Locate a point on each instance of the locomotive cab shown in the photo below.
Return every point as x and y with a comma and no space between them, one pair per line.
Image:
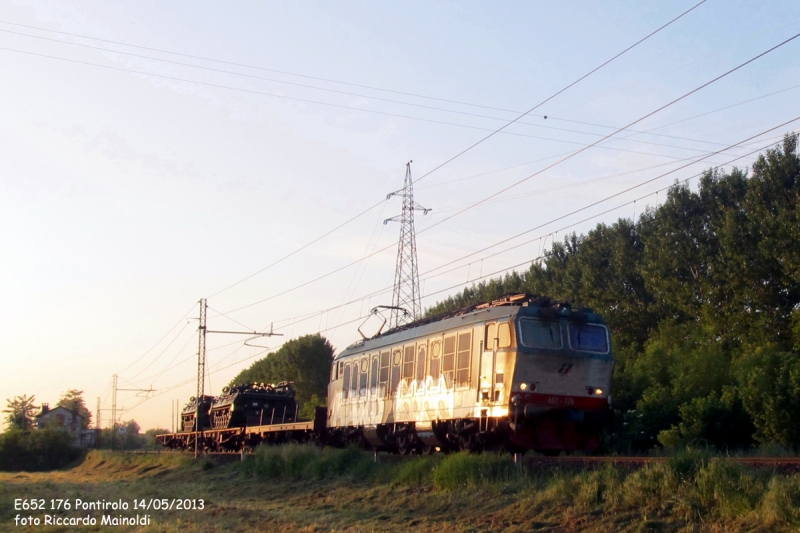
560,392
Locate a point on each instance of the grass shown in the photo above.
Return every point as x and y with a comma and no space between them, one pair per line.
303,488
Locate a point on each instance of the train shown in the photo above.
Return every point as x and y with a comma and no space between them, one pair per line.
518,373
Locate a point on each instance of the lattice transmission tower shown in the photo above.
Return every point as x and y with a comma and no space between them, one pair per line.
406,306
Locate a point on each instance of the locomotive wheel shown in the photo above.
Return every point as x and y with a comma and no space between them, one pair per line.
405,444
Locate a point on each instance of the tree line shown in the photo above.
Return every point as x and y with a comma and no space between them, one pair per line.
26,445
702,297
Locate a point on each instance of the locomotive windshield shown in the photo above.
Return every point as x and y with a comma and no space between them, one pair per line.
588,338
540,333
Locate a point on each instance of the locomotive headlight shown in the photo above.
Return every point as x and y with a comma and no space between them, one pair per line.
598,392
523,386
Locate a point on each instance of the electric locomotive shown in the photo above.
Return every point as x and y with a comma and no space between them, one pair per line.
518,373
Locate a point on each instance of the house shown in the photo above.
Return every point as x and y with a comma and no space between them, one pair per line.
68,420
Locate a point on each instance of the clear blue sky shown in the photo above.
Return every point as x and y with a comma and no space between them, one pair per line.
128,191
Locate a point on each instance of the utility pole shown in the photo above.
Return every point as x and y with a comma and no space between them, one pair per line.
114,407
201,370
201,365
406,296
114,412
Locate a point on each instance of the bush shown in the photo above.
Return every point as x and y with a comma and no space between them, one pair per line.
46,449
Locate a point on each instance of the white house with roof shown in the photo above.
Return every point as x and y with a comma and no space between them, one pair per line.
68,420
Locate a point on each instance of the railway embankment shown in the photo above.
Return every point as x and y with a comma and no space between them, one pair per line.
302,488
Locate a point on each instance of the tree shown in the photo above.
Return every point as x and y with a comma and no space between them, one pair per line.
769,383
73,400
150,438
20,412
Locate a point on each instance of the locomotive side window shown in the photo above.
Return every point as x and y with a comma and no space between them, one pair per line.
588,338
433,369
354,379
397,357
362,377
345,381
383,380
491,335
408,364
448,360
373,376
462,361
504,335
540,333
421,363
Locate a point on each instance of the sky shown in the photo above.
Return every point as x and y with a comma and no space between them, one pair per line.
155,153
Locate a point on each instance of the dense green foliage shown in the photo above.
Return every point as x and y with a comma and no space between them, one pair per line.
73,400
306,361
20,412
130,438
702,295
36,450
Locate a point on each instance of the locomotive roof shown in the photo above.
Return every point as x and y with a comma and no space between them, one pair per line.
506,306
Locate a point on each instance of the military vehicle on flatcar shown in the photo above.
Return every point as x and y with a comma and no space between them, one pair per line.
254,404
197,411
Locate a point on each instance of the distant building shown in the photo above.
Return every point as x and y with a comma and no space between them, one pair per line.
67,420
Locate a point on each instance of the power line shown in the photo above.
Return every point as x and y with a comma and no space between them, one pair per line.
287,256
685,95
328,104
264,69
162,351
308,316
159,341
559,92
496,272
359,95
571,155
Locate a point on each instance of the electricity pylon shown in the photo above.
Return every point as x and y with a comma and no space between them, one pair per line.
406,306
